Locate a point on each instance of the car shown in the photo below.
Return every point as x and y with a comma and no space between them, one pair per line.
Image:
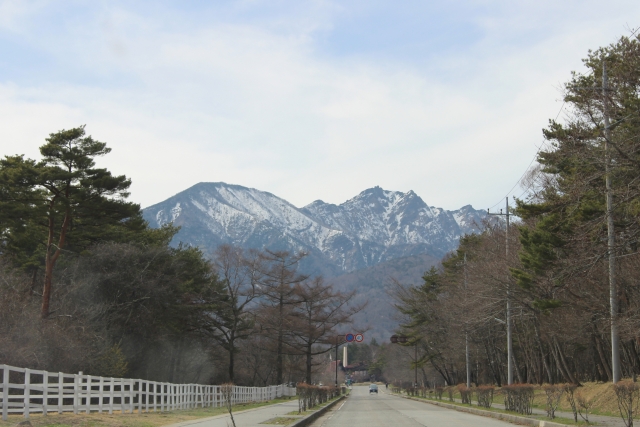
373,388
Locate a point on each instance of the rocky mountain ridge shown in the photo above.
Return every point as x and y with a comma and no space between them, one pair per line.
373,227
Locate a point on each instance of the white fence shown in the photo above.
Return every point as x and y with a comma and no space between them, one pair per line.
27,391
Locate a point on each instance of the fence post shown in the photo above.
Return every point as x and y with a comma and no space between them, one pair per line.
112,384
45,393
172,396
100,395
88,394
5,392
75,392
60,391
27,392
132,404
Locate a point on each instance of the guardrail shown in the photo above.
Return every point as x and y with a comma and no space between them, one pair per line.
28,391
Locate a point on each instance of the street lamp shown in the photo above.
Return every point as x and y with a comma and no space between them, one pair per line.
401,339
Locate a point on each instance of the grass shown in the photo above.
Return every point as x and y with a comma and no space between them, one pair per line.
559,420
150,419
280,421
602,395
310,411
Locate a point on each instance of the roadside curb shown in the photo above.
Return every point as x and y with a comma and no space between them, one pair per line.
312,417
516,419
226,414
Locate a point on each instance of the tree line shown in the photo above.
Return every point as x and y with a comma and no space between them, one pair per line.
88,286
571,273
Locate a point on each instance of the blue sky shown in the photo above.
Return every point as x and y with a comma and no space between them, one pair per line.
305,99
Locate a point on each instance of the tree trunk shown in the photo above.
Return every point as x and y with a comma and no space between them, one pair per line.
34,278
603,358
231,361
46,291
309,360
515,366
564,364
50,260
279,361
542,355
232,353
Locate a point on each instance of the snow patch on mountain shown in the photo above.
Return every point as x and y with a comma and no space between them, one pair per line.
374,226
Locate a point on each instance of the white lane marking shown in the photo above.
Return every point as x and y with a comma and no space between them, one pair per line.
331,416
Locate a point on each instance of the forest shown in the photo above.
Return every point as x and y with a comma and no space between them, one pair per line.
86,285
567,263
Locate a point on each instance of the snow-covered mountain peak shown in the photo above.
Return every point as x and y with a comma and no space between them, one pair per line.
375,225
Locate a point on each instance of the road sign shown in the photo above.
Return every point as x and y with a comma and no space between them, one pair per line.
349,337
359,337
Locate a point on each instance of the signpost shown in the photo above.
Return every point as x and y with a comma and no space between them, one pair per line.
347,338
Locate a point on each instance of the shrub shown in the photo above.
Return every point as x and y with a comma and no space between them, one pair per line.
439,391
570,389
465,394
628,394
310,396
518,398
484,395
583,405
553,393
450,391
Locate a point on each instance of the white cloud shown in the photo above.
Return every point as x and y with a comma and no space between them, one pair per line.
253,105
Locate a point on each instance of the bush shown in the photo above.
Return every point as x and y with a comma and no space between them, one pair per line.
583,406
628,394
465,394
484,395
553,393
570,389
450,392
439,391
518,398
310,396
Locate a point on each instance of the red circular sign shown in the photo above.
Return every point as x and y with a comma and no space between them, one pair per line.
359,337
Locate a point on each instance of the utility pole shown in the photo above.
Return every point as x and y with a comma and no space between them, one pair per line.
466,331
509,340
613,291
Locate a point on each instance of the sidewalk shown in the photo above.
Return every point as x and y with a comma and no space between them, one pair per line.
249,418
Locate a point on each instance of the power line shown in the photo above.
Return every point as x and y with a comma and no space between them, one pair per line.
530,163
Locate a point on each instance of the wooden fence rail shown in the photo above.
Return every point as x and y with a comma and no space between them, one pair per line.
28,391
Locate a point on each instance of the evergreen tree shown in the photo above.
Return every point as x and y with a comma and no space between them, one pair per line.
63,203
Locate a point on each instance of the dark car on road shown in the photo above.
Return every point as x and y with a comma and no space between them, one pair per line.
373,388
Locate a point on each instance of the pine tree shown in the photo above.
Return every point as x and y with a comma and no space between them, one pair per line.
62,203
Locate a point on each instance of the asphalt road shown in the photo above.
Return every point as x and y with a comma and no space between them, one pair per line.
386,410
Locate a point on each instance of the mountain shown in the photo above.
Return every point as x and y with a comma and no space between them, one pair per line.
374,227
373,286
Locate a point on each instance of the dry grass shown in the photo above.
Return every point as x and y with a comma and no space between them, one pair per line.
559,420
151,419
280,421
604,399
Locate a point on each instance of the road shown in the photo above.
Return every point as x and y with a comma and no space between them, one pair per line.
386,410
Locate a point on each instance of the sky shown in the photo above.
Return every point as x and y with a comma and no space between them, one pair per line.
307,100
